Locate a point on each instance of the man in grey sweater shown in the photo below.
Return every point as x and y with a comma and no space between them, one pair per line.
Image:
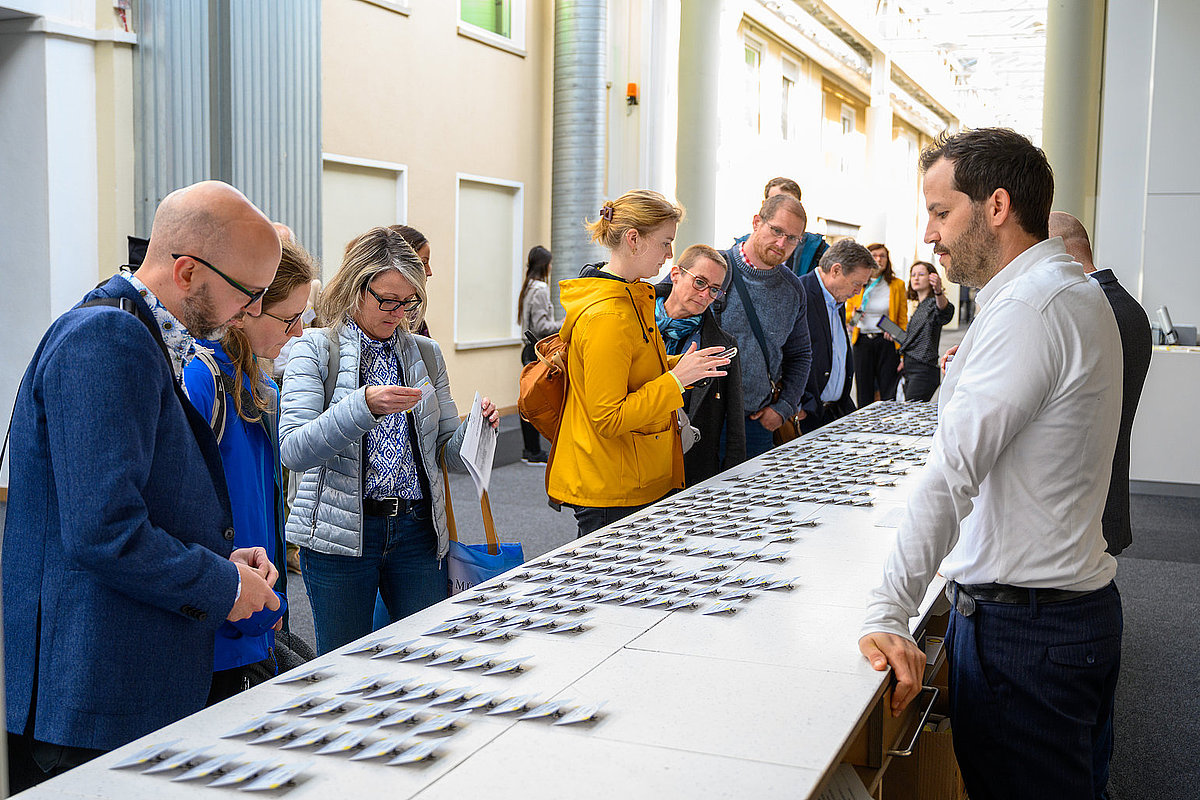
759,294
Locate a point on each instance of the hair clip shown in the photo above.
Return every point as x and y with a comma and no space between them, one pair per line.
606,211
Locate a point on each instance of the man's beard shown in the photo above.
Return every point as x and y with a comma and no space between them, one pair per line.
200,318
974,256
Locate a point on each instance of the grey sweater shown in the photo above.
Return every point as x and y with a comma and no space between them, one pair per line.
778,298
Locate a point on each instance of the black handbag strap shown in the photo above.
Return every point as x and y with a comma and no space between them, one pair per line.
755,325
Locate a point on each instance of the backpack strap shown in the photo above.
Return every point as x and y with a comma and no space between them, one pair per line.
335,363
216,417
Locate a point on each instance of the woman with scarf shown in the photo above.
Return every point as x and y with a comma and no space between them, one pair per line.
876,354
684,317
618,448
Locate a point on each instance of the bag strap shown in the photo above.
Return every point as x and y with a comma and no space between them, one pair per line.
485,506
335,363
755,325
217,416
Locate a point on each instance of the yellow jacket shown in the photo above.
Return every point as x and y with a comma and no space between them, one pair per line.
897,307
619,442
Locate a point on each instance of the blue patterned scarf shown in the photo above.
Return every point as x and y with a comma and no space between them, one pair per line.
675,332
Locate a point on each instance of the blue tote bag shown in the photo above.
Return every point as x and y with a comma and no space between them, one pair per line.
471,564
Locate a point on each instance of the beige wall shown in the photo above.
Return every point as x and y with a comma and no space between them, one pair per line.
114,153
409,89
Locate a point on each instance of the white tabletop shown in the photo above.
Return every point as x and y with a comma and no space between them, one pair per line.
761,702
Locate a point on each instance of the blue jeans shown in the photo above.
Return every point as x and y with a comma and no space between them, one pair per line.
399,562
758,439
1031,696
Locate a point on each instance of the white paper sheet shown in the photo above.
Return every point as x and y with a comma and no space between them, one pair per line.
479,447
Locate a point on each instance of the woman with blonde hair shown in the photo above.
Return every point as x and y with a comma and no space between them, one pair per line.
368,417
227,384
618,447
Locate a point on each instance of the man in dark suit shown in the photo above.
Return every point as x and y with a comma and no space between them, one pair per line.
1134,326
118,559
843,271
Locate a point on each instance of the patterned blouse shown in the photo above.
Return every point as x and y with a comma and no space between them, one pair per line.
391,468
925,331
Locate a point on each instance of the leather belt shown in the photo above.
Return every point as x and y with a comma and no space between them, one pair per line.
870,335
969,594
390,506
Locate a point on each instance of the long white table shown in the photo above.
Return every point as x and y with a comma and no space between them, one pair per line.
765,700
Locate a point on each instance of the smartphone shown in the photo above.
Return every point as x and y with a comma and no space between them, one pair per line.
730,353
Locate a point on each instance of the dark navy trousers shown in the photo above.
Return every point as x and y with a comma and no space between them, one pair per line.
1031,696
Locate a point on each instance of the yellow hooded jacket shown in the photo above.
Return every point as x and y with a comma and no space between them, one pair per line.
619,443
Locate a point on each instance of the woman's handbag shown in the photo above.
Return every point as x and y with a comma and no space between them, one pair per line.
471,564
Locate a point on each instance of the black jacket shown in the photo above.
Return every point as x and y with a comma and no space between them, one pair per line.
713,405
822,359
1134,326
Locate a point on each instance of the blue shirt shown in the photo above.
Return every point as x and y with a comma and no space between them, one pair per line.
837,362
250,463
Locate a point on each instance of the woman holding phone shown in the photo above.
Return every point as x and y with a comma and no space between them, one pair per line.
370,515
919,353
619,446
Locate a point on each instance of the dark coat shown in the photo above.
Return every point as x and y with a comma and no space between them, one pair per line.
1134,326
117,539
822,360
713,405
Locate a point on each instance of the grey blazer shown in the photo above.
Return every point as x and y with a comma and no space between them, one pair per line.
325,444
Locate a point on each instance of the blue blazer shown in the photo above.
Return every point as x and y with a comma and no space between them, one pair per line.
822,357
117,537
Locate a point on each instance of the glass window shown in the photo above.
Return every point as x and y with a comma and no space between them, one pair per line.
753,68
494,16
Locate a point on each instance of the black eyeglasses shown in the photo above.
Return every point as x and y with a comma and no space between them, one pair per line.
410,305
780,233
704,285
253,294
287,323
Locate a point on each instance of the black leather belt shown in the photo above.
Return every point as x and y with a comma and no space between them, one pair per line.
870,335
969,594
389,506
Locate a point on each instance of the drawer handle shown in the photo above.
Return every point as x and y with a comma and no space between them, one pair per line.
930,694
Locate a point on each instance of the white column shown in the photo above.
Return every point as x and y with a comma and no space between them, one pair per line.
1071,103
879,149
699,119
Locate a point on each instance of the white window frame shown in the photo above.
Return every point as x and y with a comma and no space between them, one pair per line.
518,242
401,171
399,6
790,73
848,114
514,44
759,48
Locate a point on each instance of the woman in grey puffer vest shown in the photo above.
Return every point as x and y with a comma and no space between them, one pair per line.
370,513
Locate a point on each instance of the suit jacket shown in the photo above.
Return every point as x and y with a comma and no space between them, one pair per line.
1134,326
822,359
118,533
713,405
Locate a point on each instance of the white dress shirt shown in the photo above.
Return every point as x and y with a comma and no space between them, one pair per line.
1018,472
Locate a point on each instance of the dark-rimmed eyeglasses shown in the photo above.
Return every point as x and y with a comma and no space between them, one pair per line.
704,285
780,233
410,305
254,294
287,323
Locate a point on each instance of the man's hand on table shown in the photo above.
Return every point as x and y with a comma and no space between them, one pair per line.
906,659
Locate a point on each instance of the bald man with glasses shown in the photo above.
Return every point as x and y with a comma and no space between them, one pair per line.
118,557
766,311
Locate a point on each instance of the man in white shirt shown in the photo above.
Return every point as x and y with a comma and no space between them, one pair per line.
1014,489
